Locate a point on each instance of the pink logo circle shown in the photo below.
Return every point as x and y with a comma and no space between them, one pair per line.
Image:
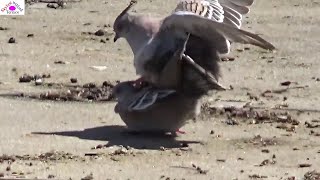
12,8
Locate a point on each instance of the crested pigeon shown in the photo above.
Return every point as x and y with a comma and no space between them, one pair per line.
152,109
211,26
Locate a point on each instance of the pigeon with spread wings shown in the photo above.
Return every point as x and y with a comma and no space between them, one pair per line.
154,40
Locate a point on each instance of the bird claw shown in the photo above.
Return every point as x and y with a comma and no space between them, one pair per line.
175,133
180,131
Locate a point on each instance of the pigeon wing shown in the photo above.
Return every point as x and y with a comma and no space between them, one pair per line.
183,22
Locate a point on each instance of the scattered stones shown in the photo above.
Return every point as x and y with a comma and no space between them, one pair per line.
258,140
25,78
259,116
231,121
267,162
38,81
8,168
285,83
265,150
252,96
286,127
304,165
312,175
88,177
291,178
73,80
100,146
30,35
3,28
89,85
87,92
221,160
100,32
227,58
311,125
98,68
121,151
256,176
49,156
7,158
91,154
59,4
199,170
61,62
12,40
103,41
50,176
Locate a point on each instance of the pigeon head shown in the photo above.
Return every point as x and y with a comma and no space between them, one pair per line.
121,24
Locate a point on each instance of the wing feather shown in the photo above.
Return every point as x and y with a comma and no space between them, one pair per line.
240,2
227,11
184,22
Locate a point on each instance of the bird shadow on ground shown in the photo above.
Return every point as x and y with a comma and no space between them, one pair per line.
119,135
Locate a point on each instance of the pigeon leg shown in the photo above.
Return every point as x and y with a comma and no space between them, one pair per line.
181,132
175,133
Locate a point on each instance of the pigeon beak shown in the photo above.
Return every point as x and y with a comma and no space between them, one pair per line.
116,37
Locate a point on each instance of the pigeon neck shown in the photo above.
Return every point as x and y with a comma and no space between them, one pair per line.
139,34
136,38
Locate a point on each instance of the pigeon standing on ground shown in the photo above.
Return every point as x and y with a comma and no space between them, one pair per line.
211,30
178,56
152,109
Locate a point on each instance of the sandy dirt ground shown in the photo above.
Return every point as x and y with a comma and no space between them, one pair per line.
279,138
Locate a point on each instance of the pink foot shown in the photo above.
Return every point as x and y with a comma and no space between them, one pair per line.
180,131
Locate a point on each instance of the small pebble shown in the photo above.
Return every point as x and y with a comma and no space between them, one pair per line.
304,165
3,28
25,78
38,82
12,40
50,176
100,32
74,80
30,35
285,83
89,85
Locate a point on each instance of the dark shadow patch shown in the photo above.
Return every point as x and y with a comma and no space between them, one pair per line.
119,135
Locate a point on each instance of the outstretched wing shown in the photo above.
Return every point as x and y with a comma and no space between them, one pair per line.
182,22
226,11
